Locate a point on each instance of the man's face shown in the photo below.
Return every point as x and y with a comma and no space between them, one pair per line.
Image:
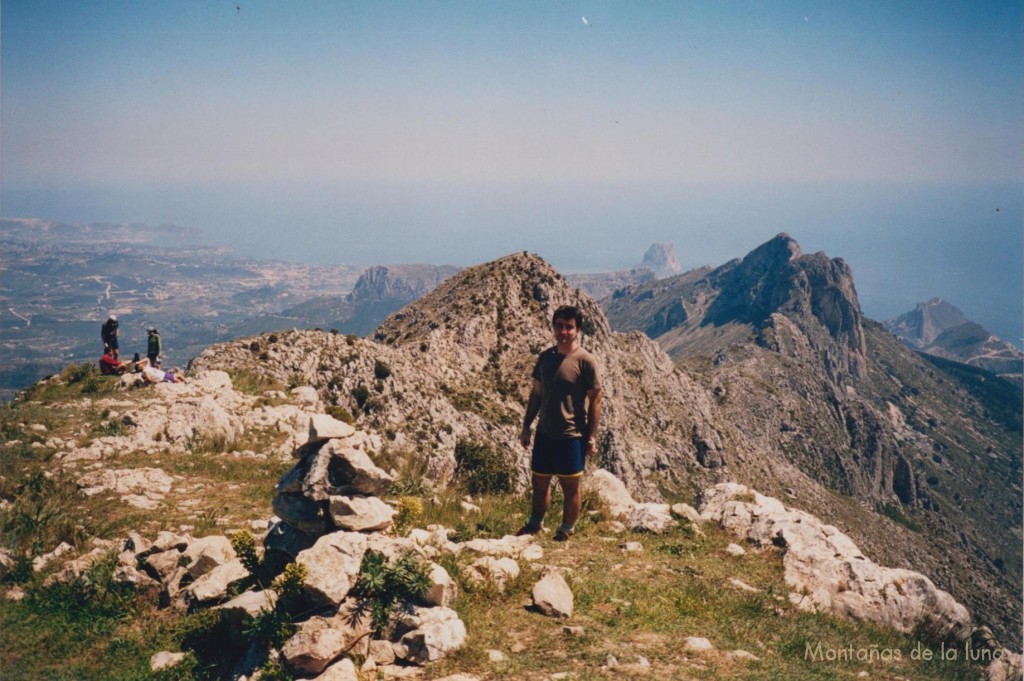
565,330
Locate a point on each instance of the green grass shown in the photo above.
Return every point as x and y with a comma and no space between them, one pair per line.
646,603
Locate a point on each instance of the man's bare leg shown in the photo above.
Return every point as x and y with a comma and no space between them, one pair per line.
572,491
541,499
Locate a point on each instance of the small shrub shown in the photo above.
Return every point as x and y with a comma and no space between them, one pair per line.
361,393
244,545
410,510
481,469
385,587
110,429
381,370
270,627
340,413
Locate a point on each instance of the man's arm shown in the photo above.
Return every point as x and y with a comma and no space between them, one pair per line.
532,407
593,418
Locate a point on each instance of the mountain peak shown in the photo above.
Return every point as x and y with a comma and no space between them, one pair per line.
661,257
494,306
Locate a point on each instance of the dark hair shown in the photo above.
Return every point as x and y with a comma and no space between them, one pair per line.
568,312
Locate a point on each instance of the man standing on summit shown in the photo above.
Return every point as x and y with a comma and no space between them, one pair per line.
567,395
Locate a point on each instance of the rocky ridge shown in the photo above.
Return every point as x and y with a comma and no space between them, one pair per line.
453,367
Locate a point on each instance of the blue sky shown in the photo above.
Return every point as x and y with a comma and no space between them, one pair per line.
459,131
242,91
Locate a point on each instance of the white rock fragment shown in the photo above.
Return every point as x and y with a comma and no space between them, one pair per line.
165,660
697,643
552,596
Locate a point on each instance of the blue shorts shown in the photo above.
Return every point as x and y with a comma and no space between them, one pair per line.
563,458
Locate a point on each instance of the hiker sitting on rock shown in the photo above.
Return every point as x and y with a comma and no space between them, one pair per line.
154,375
111,366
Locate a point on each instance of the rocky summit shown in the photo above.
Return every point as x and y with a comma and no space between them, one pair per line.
778,381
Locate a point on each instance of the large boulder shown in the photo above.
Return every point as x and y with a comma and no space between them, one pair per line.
332,566
360,514
612,493
309,516
202,419
826,570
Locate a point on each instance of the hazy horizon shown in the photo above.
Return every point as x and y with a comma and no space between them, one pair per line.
889,134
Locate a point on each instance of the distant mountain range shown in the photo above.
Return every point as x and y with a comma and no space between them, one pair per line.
941,329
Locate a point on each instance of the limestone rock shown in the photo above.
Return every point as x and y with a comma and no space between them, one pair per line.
342,670
77,567
165,660
443,590
163,565
302,513
825,564
305,395
381,652
333,564
326,427
552,596
287,540
207,553
146,481
201,419
213,586
128,574
136,543
654,518
612,493
494,571
742,656
430,634
320,640
686,512
39,563
696,643
735,550
360,514
248,604
166,541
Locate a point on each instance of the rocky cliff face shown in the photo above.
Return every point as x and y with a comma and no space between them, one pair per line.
791,390
398,283
941,329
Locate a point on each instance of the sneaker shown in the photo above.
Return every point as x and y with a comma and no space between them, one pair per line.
562,535
528,529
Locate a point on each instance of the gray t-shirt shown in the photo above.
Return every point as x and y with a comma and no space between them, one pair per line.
565,379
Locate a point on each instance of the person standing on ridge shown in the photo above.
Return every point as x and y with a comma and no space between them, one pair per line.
109,333
154,347
566,394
